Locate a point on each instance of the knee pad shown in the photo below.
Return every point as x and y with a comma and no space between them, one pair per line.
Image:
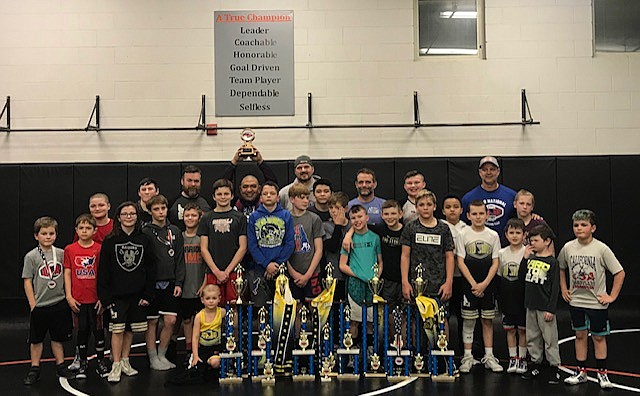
467,330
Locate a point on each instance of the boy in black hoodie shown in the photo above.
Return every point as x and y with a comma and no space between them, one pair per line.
126,276
168,251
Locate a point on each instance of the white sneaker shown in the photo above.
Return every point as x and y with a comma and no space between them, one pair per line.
603,380
578,377
513,365
491,363
522,366
127,370
116,372
75,365
466,363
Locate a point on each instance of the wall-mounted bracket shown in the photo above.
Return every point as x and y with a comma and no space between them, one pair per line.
95,115
6,109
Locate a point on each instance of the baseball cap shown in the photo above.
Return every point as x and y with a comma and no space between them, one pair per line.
302,159
489,160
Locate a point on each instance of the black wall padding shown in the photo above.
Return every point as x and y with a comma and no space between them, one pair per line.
538,175
609,185
167,175
585,183
89,179
10,259
434,171
625,190
383,168
45,190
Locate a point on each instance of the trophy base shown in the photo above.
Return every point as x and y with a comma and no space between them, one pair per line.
268,381
397,378
349,377
420,375
304,352
258,378
350,351
393,352
443,378
442,353
231,380
231,355
375,375
304,377
325,379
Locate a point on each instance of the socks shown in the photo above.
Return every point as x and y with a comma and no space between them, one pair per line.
467,353
513,351
601,364
488,351
522,352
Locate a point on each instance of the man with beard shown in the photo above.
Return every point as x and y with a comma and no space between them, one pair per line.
190,181
303,167
249,189
366,184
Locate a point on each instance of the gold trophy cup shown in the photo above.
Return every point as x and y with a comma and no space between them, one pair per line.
239,284
247,151
419,284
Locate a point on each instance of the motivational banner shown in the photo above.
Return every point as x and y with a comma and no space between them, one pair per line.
254,63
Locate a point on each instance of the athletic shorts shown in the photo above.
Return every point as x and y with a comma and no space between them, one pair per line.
471,304
227,289
205,352
126,313
392,292
189,307
594,320
309,291
165,303
513,321
87,319
54,319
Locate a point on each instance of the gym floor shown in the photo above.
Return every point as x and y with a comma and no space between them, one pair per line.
623,372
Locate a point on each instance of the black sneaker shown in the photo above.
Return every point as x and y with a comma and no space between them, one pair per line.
33,376
63,372
187,360
102,369
532,373
554,376
81,373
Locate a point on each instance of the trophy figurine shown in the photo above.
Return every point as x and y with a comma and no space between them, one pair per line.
231,341
328,280
281,280
325,370
247,151
418,362
239,284
268,374
419,284
347,340
375,362
303,342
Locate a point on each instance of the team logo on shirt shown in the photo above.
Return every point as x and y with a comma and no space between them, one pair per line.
129,255
510,271
85,267
300,239
495,211
478,249
222,225
583,272
270,231
51,271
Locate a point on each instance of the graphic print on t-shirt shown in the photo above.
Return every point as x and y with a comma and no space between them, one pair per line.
85,267
583,272
270,231
222,225
129,255
300,239
51,271
478,249
537,271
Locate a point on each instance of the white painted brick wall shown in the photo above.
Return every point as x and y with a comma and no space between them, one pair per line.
150,61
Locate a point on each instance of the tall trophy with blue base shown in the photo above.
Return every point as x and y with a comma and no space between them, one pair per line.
348,352
398,357
230,361
449,374
420,360
373,365
262,356
304,352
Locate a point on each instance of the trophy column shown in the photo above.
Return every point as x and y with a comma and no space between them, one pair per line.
303,352
372,364
347,342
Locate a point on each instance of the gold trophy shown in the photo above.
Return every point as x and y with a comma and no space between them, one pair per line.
239,284
418,363
282,278
347,339
262,337
375,362
375,284
247,151
442,338
419,284
325,370
268,374
450,373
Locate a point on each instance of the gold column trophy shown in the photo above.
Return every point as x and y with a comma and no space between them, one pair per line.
419,286
327,281
281,280
348,351
303,342
231,340
239,284
328,361
263,354
347,339
247,151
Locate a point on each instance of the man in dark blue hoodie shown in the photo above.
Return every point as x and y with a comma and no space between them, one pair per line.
270,240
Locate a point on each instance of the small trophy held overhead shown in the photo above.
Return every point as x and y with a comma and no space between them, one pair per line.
239,284
247,151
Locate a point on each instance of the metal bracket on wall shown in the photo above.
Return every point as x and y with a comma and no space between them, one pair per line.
6,109
527,119
95,113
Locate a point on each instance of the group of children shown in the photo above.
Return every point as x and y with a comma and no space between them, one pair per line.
139,273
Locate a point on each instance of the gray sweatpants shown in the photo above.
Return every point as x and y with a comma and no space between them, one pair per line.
542,334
